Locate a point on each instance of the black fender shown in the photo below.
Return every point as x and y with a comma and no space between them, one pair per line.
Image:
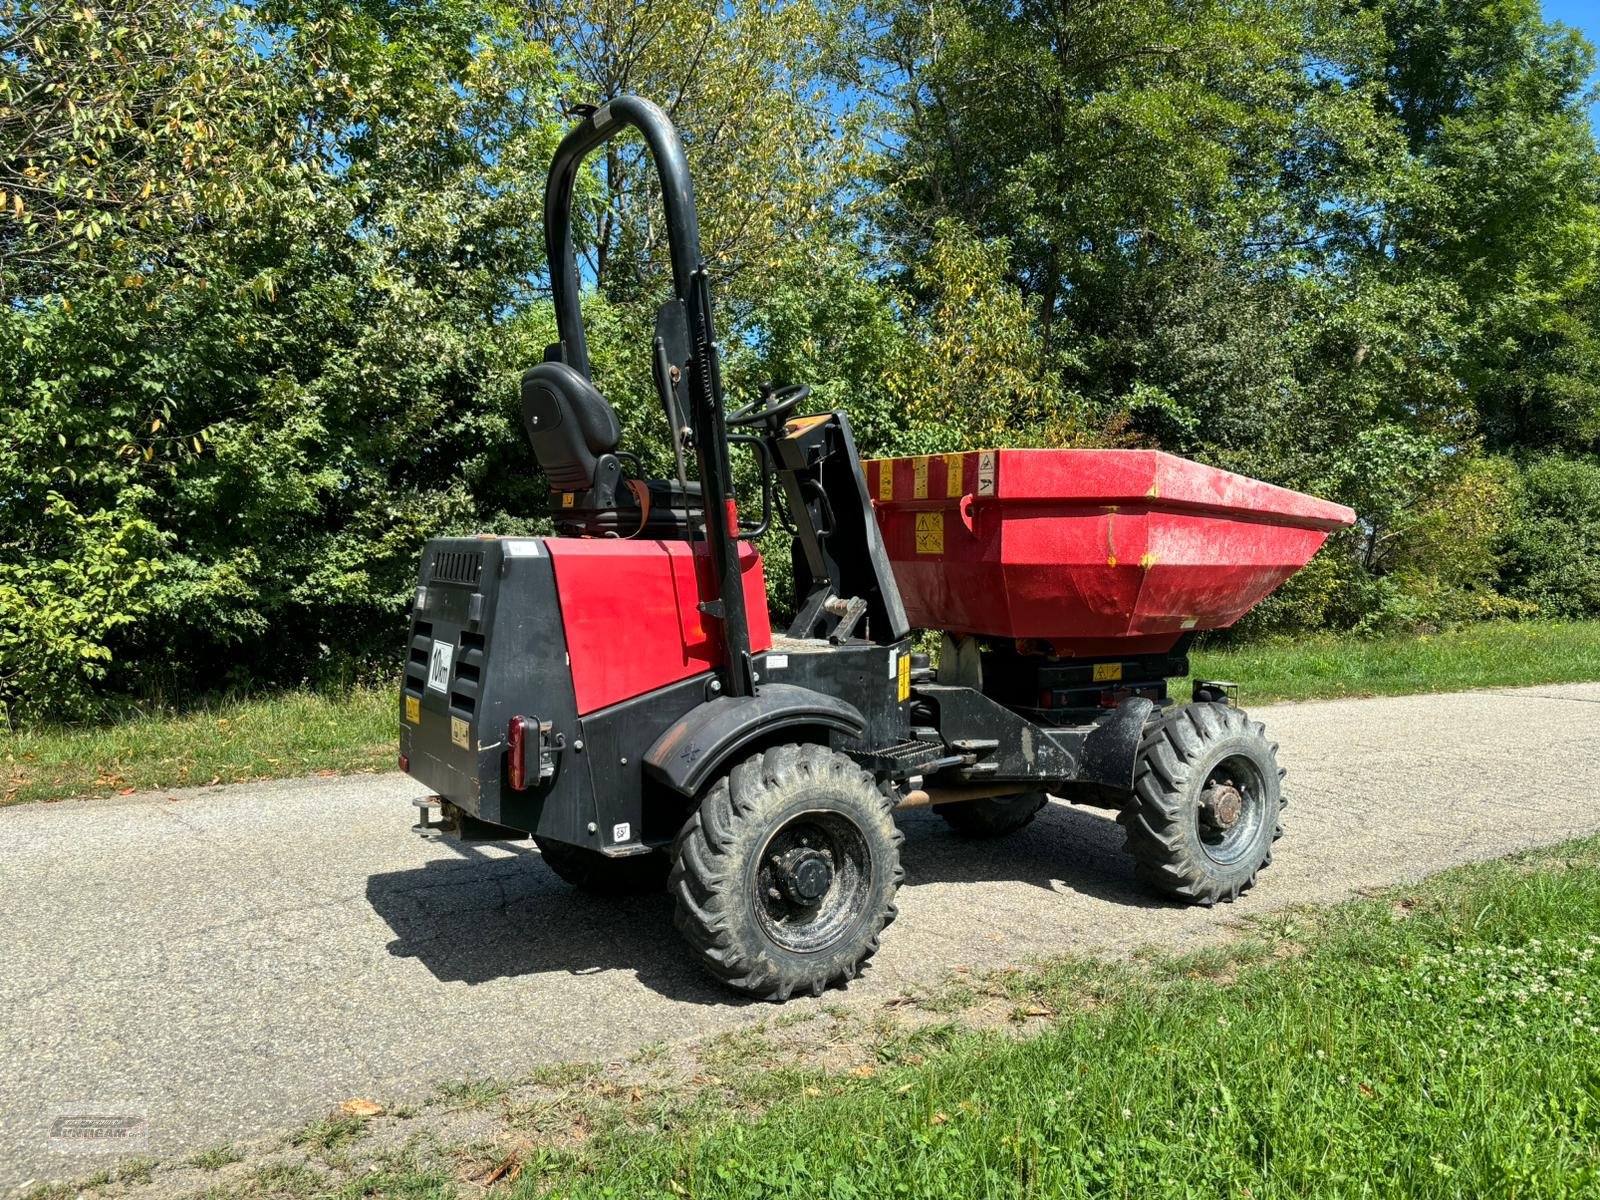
695,747
1111,751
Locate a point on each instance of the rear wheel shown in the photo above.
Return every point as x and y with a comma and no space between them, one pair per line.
993,816
593,872
785,876
1206,804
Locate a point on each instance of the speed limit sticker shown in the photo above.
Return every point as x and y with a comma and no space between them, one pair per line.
439,666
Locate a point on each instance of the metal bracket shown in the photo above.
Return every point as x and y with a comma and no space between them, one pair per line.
1216,691
549,747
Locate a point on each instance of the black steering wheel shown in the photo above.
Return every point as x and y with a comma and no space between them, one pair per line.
772,408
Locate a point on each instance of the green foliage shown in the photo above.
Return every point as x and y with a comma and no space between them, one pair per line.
57,617
971,372
1553,555
280,367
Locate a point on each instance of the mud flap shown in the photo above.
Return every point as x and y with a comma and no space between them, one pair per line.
1111,751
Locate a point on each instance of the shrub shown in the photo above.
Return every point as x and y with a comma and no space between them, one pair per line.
1552,554
58,617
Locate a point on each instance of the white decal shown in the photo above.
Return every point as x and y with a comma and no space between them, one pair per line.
439,666
777,662
622,832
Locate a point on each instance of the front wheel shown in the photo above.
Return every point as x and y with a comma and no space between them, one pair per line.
1206,803
785,876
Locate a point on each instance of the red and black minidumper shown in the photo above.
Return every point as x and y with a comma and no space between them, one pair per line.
616,692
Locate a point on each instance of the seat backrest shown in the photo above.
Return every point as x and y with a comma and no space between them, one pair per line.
569,423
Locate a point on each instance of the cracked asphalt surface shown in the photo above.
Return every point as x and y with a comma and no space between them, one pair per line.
234,961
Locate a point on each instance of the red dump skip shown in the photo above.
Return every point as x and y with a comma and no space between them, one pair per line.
1097,552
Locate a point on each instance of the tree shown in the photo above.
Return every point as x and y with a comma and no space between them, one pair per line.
1493,105
294,374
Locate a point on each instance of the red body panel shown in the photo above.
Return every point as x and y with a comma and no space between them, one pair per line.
631,617
1097,552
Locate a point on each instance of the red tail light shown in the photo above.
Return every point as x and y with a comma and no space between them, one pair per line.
517,751
405,762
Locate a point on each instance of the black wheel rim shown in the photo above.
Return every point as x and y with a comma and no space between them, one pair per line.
1231,810
811,881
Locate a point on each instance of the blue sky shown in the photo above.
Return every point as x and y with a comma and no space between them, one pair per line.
1580,14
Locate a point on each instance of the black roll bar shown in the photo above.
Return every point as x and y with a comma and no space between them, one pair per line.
677,193
692,287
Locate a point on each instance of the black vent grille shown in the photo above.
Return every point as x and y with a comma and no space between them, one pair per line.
466,687
417,661
458,566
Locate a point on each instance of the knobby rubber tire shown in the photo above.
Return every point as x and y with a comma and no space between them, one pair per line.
716,860
993,816
593,872
1176,755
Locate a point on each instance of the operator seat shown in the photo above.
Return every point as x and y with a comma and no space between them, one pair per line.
570,424
575,432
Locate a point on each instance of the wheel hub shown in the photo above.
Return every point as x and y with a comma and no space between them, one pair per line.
805,875
1221,806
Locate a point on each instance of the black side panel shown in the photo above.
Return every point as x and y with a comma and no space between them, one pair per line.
689,753
872,679
502,636
632,816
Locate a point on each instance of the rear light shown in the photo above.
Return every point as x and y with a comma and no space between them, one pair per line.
531,751
517,751
405,762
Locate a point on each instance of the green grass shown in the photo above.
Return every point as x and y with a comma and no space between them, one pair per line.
299,733
214,1158
1439,1043
296,733
1493,654
331,1133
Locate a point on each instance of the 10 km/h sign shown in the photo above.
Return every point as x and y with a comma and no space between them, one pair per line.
439,666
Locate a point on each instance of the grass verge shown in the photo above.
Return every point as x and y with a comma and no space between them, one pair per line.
295,733
1492,654
299,733
1439,1042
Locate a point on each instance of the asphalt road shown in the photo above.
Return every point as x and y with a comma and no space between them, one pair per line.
227,964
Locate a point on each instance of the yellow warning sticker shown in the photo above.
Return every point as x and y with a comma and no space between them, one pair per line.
414,710
1107,672
919,478
460,734
905,676
952,476
930,532
885,479
568,499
